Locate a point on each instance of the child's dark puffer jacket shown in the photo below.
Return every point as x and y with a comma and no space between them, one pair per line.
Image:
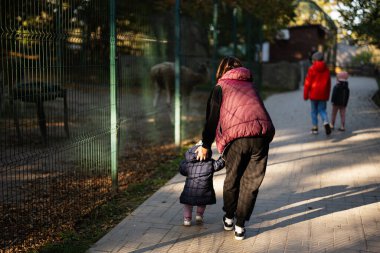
340,94
198,189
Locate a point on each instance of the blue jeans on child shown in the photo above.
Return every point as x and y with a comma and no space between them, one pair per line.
318,107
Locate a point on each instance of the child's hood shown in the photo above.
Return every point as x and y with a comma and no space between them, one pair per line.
343,83
190,154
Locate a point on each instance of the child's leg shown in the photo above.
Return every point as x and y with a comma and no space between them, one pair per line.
342,112
187,211
201,210
333,114
314,113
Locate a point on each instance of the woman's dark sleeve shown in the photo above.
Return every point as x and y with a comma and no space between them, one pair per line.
212,117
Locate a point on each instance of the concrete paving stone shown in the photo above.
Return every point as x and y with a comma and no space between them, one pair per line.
246,246
147,247
130,247
109,246
342,241
370,224
276,250
201,244
278,237
154,235
297,248
317,248
134,232
142,211
162,211
371,232
250,250
345,250
359,236
179,247
374,238
369,210
373,245
96,251
162,248
171,236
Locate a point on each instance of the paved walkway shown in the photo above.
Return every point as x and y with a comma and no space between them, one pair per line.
320,194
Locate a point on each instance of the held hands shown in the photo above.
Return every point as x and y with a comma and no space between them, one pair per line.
201,153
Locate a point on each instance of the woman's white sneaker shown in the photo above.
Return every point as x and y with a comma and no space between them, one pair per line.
239,233
228,223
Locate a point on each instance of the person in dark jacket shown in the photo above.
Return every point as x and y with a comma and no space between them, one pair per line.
238,121
198,189
317,88
339,100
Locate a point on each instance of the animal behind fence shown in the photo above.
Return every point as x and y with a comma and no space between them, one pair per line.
163,78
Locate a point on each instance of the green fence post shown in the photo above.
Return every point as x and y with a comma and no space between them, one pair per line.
248,45
113,99
234,30
59,31
215,40
177,70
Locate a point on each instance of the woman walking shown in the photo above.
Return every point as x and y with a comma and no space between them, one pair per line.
238,121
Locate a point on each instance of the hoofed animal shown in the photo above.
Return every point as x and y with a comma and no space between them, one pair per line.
163,78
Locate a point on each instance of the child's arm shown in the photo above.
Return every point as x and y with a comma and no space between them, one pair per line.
182,168
219,164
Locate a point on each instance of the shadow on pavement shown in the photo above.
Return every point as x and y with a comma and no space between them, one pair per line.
324,201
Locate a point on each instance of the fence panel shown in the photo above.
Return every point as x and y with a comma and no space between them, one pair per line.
54,125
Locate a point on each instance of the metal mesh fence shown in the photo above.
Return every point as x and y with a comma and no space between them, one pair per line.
54,124
55,147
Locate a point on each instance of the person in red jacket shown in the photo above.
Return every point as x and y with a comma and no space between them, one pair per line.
238,121
317,88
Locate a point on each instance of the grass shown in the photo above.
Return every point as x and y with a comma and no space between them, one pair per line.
92,227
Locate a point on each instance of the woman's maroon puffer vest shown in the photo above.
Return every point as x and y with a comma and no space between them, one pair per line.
242,112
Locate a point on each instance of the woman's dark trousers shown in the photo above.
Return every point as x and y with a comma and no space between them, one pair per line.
246,161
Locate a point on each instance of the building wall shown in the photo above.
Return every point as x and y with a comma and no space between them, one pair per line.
301,42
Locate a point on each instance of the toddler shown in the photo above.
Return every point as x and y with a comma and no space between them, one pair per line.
198,190
339,100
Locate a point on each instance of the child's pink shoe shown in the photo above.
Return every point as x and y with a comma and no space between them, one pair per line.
187,222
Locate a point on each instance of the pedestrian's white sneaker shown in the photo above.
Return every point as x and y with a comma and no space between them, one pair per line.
228,223
239,233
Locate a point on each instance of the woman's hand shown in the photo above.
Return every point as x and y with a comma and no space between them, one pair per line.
201,153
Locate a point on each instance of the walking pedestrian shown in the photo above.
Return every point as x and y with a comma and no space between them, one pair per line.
198,189
238,121
339,100
317,88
